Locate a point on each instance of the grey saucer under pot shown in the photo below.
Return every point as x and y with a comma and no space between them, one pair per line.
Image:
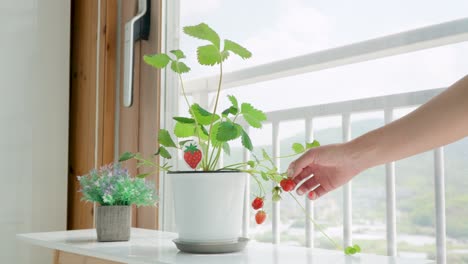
113,223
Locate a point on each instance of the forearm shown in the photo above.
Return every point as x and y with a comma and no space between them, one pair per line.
442,120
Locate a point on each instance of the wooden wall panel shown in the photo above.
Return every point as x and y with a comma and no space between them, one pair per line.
89,93
91,140
150,104
139,124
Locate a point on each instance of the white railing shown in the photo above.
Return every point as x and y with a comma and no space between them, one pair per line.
423,38
387,104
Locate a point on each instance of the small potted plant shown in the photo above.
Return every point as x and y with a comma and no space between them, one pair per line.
115,191
209,199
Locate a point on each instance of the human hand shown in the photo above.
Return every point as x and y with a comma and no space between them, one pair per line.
330,166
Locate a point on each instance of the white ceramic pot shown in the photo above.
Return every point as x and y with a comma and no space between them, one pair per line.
208,205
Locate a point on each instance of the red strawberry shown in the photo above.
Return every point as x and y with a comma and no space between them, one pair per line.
257,203
192,155
260,217
287,185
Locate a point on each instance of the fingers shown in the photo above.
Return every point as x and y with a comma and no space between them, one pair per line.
297,166
308,185
306,172
316,193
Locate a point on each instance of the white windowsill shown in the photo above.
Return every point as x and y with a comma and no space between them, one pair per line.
156,247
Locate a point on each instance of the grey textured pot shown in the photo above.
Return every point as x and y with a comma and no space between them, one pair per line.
113,223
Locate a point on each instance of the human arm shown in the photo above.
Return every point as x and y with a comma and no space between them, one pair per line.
442,120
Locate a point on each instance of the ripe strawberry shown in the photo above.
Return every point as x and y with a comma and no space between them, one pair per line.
287,185
257,203
260,217
192,155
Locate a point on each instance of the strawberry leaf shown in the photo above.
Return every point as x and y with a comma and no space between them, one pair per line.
233,100
126,156
264,176
202,116
178,53
179,67
164,138
253,116
203,31
237,49
357,248
231,110
142,175
314,144
158,61
181,143
182,130
163,153
246,142
184,120
226,148
209,55
298,148
228,131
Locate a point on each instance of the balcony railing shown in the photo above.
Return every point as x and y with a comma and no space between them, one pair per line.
405,42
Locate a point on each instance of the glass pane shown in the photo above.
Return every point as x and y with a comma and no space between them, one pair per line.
275,29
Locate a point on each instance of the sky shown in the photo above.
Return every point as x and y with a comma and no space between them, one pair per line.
276,29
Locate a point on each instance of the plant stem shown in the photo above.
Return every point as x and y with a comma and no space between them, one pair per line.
190,109
218,155
216,106
315,224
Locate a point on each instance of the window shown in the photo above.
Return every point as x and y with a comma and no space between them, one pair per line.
275,30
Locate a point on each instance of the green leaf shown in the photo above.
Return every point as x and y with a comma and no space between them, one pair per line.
298,148
350,251
237,49
231,110
164,153
314,144
158,61
253,116
228,131
214,134
182,130
142,175
126,156
233,100
267,157
178,53
203,31
251,163
208,55
277,177
276,197
203,134
164,138
226,148
181,143
202,116
357,248
246,142
179,67
224,55
264,176
184,120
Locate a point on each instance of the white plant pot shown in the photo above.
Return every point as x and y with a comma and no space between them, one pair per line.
208,205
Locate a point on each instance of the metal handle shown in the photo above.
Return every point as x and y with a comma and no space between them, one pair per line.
135,29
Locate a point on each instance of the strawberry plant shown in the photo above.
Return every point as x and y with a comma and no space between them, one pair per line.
213,131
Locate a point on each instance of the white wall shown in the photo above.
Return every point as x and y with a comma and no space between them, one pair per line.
34,91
